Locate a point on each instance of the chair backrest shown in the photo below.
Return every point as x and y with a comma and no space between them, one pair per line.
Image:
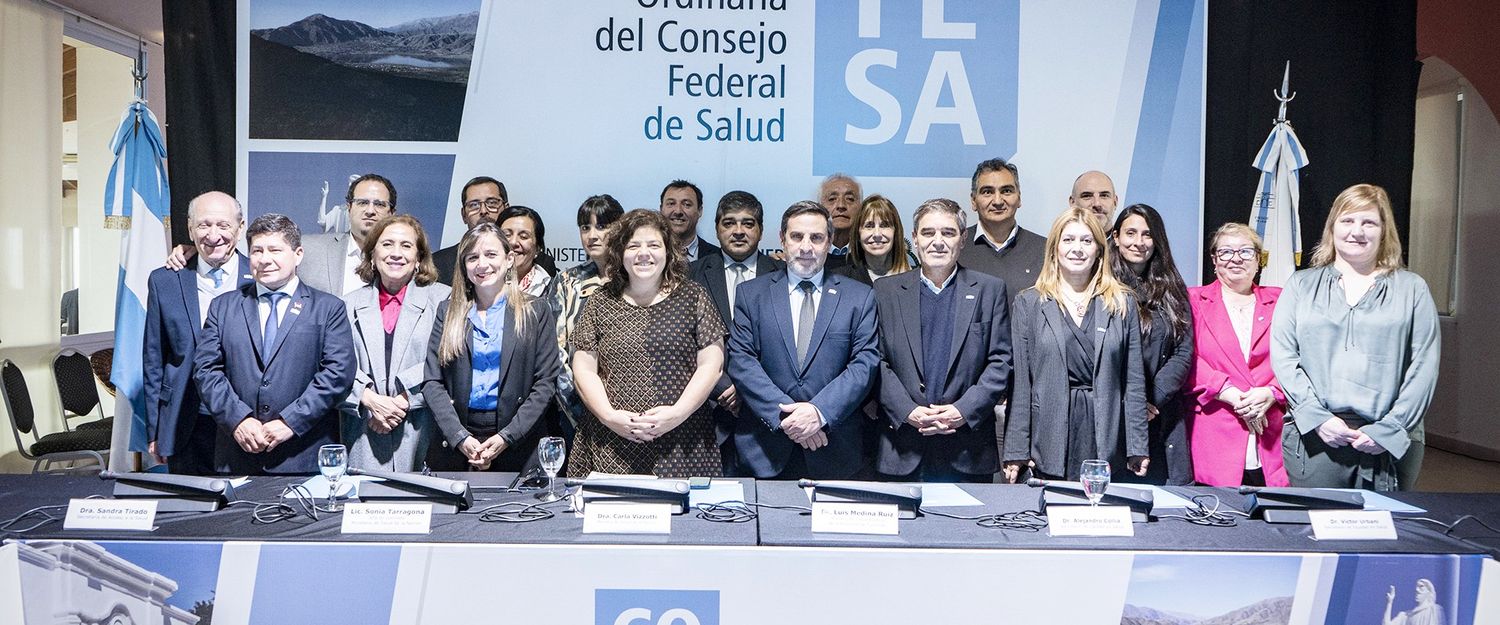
75,383
17,400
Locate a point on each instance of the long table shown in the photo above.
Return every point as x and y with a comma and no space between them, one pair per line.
772,569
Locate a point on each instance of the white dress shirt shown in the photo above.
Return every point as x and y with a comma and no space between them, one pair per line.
796,293
750,262
352,256
206,289
263,307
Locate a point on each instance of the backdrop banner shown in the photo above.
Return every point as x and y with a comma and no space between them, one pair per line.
564,100
275,583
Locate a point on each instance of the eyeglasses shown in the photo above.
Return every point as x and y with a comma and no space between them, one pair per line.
366,203
493,204
1225,254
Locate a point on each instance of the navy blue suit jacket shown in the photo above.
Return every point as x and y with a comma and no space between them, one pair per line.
301,379
842,361
976,378
172,328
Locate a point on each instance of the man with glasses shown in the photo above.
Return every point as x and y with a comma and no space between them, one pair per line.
482,199
329,260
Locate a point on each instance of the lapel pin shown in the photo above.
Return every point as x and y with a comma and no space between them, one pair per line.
297,308
1100,329
833,292
968,297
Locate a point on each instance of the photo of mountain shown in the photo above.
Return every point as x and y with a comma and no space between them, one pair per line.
1231,590
327,77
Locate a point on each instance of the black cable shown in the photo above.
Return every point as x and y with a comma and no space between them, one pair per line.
1207,511
1448,528
1022,520
735,511
518,511
44,511
269,512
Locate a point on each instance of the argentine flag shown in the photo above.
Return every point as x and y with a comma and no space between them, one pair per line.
1274,216
137,200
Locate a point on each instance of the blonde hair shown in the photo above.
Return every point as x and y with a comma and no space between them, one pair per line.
1102,284
1357,198
1237,229
878,207
455,340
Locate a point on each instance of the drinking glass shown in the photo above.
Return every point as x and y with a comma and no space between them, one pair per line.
333,460
1095,478
550,452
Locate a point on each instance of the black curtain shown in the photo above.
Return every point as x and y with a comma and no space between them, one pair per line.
1355,73
199,48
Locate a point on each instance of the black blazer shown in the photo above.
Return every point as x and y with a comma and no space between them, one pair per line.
1037,427
1167,364
528,380
848,270
445,260
976,378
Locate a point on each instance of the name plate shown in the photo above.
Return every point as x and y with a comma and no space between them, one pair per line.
110,514
387,518
1089,521
1352,524
855,518
602,517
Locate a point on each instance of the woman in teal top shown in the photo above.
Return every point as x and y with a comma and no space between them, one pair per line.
1354,343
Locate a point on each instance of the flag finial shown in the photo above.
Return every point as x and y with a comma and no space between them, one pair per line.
1282,96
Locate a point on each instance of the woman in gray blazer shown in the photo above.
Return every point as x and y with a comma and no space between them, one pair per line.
1354,343
1080,388
385,419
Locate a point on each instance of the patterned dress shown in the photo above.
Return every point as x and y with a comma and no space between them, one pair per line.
647,355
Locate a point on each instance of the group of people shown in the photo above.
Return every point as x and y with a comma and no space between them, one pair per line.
951,351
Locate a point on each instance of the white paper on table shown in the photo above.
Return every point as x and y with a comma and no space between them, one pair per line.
718,491
317,486
239,481
947,496
1161,498
1377,501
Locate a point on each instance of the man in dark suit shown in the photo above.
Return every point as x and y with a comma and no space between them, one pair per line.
682,205
945,359
179,434
331,258
997,245
274,360
802,356
482,199
739,221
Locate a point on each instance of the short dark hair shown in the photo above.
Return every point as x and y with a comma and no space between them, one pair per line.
389,189
994,164
740,201
806,207
475,181
681,184
539,228
275,223
604,208
673,273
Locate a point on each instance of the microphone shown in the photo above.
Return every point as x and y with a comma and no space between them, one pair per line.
1249,490
806,483
1036,483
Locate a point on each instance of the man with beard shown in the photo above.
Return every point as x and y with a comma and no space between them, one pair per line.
329,259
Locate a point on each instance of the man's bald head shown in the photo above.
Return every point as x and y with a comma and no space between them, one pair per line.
1093,190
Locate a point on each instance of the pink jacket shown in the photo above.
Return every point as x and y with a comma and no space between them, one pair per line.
1216,435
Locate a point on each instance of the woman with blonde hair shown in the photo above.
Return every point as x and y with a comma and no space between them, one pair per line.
1355,346
877,248
492,363
1079,390
1235,423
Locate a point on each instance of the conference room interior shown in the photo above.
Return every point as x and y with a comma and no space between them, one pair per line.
57,246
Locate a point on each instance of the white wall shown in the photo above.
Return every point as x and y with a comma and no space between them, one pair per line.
1462,417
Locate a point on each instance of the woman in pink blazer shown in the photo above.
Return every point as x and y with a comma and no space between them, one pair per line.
1234,429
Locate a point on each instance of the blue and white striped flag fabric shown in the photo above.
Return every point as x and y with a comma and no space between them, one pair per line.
1274,215
138,200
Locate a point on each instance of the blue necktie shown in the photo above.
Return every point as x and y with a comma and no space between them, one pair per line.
217,273
269,335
